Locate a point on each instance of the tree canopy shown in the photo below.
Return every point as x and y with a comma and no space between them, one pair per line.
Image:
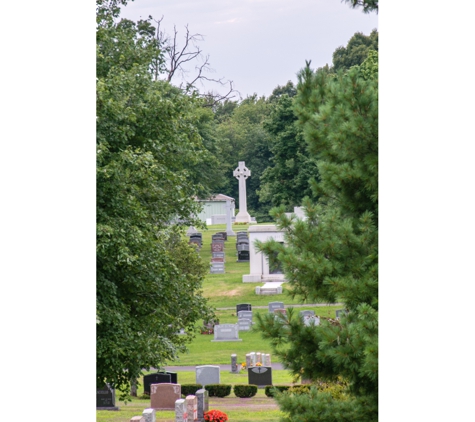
333,255
356,51
149,155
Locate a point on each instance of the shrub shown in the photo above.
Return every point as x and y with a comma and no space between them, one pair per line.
299,389
245,390
218,390
190,389
269,389
215,416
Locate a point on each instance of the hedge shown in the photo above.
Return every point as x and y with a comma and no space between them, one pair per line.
190,389
245,390
281,388
218,390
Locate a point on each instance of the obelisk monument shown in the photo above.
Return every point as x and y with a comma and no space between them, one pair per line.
242,173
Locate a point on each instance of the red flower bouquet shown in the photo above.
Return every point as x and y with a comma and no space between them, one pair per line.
215,416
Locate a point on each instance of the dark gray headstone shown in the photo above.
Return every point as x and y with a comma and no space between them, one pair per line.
105,398
157,378
259,375
243,256
243,307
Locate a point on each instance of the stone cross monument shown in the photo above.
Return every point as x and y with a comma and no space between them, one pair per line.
242,173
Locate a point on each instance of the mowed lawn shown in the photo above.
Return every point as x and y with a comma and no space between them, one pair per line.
226,291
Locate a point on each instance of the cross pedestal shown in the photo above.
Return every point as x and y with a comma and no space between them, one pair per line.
242,173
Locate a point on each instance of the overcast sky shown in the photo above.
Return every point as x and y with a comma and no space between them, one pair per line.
259,44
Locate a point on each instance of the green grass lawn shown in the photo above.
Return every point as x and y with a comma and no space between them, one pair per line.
225,291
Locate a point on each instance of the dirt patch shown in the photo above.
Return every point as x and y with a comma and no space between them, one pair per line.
232,292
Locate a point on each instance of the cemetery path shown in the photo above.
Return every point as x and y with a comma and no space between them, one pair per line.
276,366
307,305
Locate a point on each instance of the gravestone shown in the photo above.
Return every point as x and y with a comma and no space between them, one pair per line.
340,312
234,366
245,314
173,376
164,396
243,256
248,360
207,374
105,398
181,414
311,320
202,398
258,357
218,255
217,268
229,227
149,415
259,375
275,305
243,307
217,260
253,358
191,408
218,219
226,332
224,235
137,419
217,246
280,311
306,313
158,378
218,236
244,324
267,361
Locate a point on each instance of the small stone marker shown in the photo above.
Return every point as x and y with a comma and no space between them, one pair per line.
149,415
258,357
275,305
243,307
311,320
340,312
164,396
207,374
226,332
248,360
260,376
217,246
234,367
245,314
137,419
253,358
181,414
105,398
267,361
244,324
191,408
202,398
306,313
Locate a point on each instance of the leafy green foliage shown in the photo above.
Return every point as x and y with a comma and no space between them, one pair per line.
286,181
148,138
190,389
333,254
367,5
356,52
219,390
245,390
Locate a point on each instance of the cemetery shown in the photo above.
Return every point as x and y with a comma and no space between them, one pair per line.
231,354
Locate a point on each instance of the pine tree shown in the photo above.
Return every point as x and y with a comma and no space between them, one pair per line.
333,255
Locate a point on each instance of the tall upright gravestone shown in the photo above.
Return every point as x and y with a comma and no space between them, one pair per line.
242,173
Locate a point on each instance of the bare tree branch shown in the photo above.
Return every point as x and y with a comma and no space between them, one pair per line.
177,59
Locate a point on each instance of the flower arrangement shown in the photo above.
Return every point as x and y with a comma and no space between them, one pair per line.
258,364
243,365
215,416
